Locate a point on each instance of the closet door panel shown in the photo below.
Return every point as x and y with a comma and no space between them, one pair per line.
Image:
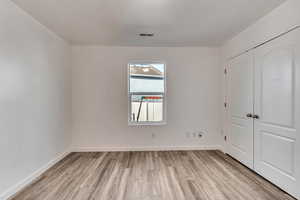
240,103
276,129
297,116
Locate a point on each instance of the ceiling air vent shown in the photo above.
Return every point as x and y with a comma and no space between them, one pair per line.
146,34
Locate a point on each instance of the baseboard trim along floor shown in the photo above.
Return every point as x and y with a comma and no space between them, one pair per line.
147,148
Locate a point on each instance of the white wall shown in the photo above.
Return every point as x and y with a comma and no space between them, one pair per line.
34,115
100,98
273,24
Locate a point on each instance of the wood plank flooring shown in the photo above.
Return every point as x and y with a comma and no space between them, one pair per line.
176,175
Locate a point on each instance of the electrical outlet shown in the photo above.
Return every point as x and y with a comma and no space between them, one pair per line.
187,135
194,134
153,135
201,134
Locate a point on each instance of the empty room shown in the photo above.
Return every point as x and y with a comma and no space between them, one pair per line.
149,100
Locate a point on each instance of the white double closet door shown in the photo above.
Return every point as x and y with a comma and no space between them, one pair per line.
264,111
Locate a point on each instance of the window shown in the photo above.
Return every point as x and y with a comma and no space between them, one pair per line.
146,93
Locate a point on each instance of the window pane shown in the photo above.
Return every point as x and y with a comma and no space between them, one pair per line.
146,108
147,78
146,92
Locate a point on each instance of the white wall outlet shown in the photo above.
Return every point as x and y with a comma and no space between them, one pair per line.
200,134
187,134
194,134
153,135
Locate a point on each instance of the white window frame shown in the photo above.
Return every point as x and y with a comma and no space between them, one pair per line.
164,121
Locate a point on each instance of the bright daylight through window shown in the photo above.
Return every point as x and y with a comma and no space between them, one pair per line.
146,93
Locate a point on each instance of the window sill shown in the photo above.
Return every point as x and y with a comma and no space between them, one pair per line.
131,124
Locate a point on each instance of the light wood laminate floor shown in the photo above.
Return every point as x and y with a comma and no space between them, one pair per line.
182,175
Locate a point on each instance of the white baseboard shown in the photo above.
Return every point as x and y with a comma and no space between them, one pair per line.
154,148
28,180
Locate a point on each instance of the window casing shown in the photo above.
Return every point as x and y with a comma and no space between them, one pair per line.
147,93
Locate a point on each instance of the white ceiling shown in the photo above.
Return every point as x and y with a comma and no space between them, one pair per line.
174,22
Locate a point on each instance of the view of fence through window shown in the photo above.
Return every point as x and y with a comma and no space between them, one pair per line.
146,92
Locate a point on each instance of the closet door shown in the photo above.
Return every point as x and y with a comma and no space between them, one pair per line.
240,109
276,129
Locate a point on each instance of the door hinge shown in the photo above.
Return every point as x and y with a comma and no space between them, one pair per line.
225,105
225,71
225,138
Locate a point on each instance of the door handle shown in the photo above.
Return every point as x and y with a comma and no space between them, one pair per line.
249,115
255,116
